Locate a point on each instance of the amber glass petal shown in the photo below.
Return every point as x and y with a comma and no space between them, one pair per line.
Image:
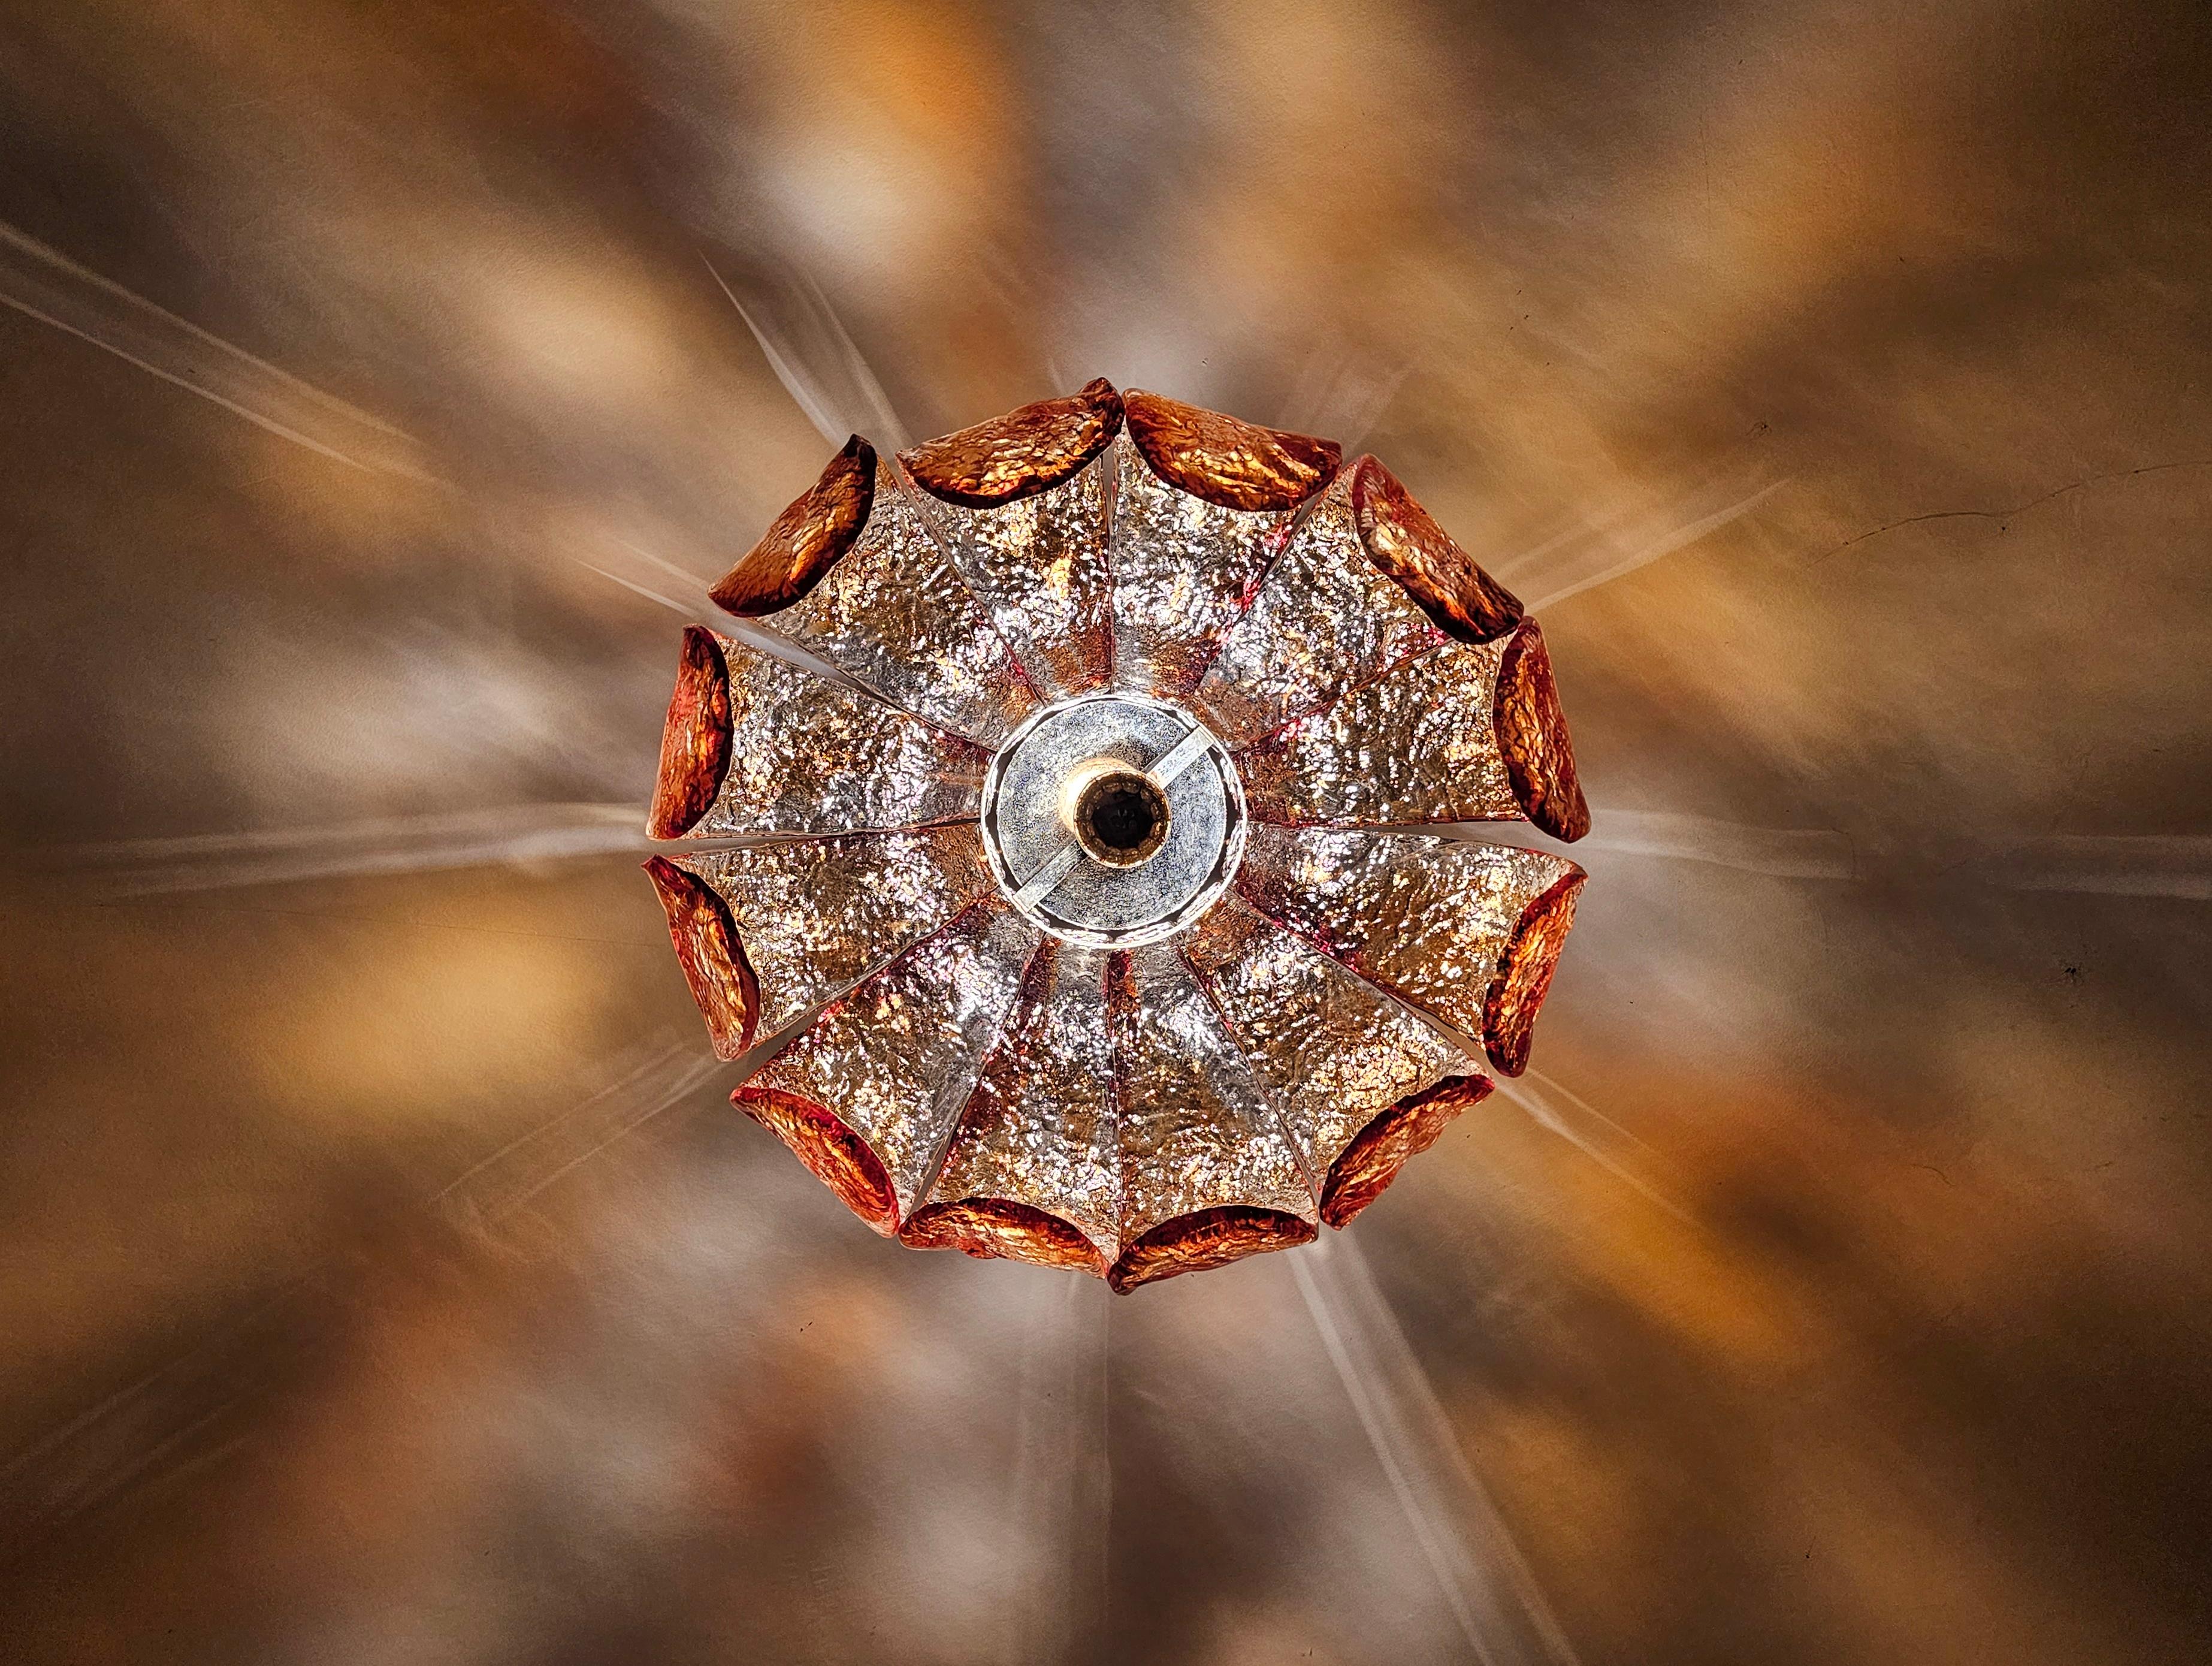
991,1227
895,1059
1366,1166
1524,975
895,616
1223,460
1412,550
1184,571
807,539
814,916
1325,618
1026,451
694,743
1208,1238
808,756
1334,1051
712,957
1039,566
1435,921
1532,736
1022,503
1418,743
1458,733
1196,1130
1038,1130
840,1158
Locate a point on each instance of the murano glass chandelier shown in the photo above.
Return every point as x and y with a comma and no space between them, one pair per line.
1076,865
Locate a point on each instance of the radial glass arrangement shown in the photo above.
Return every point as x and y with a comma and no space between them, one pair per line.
1073,875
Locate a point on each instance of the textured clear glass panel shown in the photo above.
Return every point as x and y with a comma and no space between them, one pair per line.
1323,620
897,1058
1424,917
1418,743
1038,565
1184,569
1333,1050
808,756
816,916
1039,1128
895,617
1196,1130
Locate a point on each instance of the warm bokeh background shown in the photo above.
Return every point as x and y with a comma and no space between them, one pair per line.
383,1276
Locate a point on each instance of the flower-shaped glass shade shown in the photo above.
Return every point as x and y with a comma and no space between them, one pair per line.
1066,883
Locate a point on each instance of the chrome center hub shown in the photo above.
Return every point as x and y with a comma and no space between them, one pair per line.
1112,819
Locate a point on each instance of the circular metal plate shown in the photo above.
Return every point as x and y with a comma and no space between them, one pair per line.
1032,847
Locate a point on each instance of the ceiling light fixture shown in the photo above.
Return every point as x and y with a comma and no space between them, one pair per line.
1081,888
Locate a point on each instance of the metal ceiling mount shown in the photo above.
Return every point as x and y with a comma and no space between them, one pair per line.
1078,874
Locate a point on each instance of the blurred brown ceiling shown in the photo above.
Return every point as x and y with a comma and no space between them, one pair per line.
383,1275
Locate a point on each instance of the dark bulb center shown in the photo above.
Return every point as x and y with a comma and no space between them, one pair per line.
1122,818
